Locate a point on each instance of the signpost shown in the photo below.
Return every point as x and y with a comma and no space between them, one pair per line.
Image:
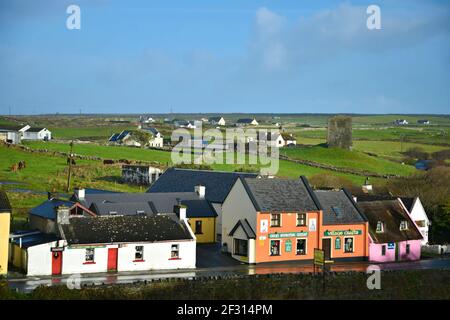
319,260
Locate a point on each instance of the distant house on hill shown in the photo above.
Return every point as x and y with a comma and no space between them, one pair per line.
157,138
145,119
37,134
423,121
280,139
217,121
401,122
246,122
124,138
184,124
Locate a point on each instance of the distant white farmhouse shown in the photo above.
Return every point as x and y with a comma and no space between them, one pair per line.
220,121
401,122
185,124
423,121
246,122
124,138
37,134
280,140
157,140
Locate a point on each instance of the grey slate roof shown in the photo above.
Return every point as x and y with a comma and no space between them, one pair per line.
47,209
339,208
281,195
246,227
123,208
244,120
33,129
124,229
391,213
161,202
5,206
218,184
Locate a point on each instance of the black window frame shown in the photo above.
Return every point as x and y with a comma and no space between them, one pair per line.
305,248
304,219
272,220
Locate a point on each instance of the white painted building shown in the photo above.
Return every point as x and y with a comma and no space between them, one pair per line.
37,134
418,215
113,243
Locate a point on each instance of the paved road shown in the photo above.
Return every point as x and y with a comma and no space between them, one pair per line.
73,281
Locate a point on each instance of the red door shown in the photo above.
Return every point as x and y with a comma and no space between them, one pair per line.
112,259
56,262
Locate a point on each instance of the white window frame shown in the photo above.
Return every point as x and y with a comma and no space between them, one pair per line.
306,219
281,220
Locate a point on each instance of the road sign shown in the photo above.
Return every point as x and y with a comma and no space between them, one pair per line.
319,257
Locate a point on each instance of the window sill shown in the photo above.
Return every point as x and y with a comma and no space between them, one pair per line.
198,233
140,260
174,258
89,262
275,226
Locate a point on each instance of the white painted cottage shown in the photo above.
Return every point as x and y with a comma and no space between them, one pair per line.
107,243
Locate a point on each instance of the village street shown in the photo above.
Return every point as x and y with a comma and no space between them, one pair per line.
217,265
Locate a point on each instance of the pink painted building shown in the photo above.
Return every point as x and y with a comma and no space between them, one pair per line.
393,235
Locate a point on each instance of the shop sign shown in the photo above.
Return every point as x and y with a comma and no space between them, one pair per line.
391,245
57,249
264,225
288,235
288,246
339,233
319,257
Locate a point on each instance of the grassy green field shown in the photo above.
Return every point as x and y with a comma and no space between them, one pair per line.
87,133
348,159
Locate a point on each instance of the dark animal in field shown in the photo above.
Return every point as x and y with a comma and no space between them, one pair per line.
21,165
71,161
107,161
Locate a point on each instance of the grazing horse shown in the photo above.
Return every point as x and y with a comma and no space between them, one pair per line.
14,167
21,165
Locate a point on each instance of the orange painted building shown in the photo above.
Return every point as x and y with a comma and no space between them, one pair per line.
287,220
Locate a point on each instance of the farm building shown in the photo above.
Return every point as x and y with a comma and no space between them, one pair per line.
140,174
5,218
217,185
37,134
393,234
119,243
12,134
340,132
423,121
267,220
246,122
217,121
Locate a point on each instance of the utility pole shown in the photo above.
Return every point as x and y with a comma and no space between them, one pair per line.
70,166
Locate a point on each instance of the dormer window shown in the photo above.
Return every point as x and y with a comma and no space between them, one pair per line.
380,227
403,225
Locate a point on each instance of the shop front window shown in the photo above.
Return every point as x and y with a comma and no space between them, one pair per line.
275,247
301,246
348,245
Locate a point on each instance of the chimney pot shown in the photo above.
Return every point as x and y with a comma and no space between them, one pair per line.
200,190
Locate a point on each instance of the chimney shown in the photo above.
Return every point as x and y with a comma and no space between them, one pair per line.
180,211
62,215
80,193
201,191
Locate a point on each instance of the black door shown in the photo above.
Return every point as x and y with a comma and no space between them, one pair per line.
326,247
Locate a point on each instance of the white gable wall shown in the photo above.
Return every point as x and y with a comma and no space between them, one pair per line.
418,214
236,206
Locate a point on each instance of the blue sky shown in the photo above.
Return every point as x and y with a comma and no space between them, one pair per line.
298,56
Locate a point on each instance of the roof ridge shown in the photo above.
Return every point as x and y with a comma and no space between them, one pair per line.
311,192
